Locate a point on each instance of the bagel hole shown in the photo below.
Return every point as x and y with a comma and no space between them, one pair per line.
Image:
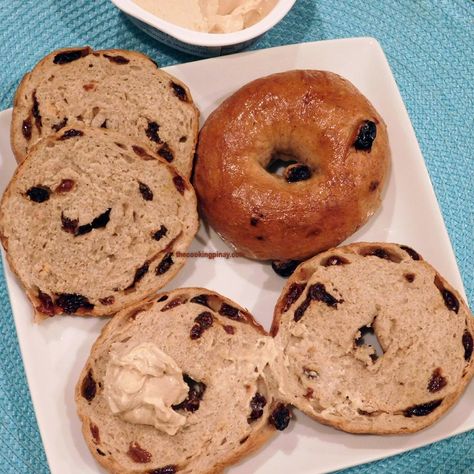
369,338
279,161
289,167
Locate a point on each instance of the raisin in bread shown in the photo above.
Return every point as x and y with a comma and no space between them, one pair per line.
114,89
222,355
91,222
332,372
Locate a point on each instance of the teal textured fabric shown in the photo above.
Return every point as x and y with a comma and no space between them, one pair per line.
429,44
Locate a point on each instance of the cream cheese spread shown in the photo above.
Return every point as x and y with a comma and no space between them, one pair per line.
142,383
211,16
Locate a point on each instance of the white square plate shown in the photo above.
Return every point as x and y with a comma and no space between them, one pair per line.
55,351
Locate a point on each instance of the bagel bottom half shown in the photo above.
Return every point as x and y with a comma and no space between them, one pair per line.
223,354
333,373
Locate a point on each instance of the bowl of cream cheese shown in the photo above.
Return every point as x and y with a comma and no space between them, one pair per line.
205,27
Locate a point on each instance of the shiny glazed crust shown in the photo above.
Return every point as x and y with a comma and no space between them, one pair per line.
315,117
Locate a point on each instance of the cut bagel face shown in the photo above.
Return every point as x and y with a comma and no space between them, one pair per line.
223,355
92,223
414,368
112,89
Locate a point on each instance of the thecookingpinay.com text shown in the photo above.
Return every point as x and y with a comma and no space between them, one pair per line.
209,255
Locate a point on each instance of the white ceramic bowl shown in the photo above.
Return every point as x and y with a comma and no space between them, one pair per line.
195,42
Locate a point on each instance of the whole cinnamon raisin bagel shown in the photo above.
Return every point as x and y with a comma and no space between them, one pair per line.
337,147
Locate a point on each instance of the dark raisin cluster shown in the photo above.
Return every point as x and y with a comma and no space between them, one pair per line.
316,292
280,417
257,404
195,394
285,269
202,322
366,136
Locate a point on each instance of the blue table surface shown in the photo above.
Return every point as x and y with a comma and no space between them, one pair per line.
429,45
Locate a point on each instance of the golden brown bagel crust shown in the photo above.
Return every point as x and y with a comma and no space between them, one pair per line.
315,116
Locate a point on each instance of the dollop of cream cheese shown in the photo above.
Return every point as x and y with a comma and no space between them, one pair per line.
211,16
142,383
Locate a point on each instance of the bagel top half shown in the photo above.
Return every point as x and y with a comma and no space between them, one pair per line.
337,144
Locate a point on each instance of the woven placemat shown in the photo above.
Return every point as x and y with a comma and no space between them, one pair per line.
429,44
